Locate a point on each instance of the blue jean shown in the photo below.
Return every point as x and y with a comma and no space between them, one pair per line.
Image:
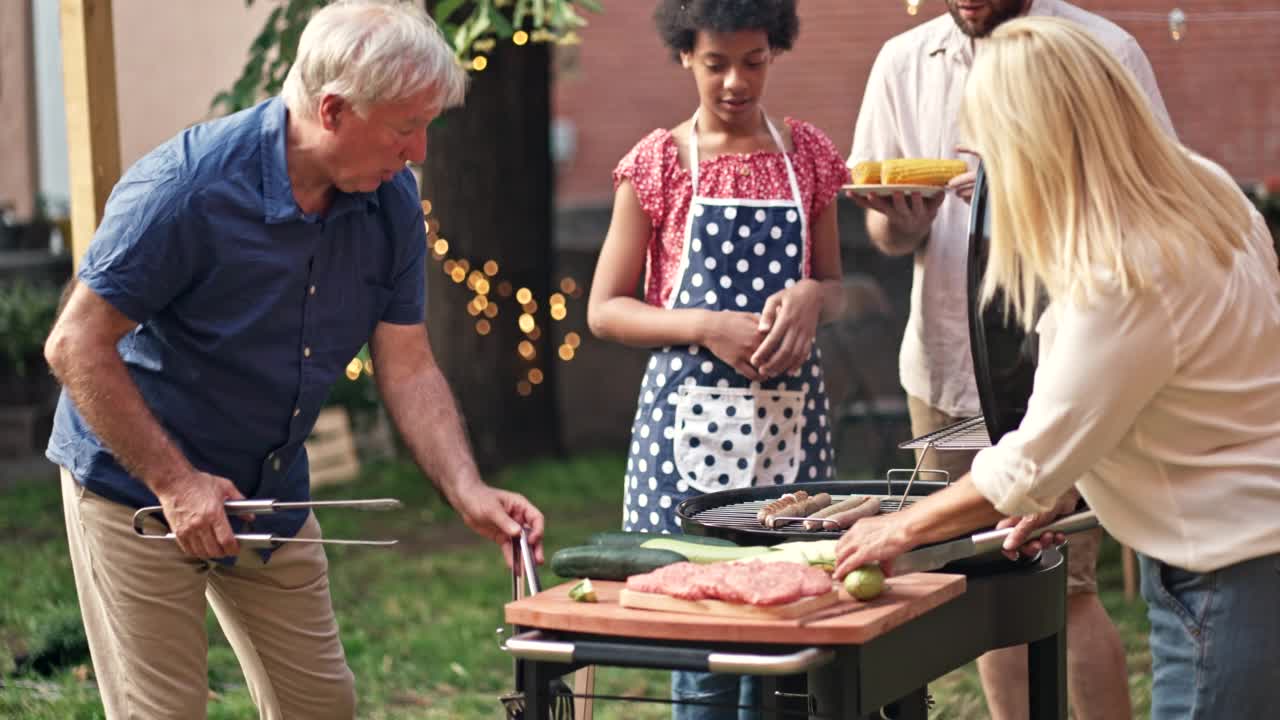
715,688
1215,640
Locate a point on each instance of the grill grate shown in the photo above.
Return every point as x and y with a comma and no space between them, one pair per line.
968,434
742,516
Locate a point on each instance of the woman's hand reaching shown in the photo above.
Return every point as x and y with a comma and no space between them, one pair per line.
1025,540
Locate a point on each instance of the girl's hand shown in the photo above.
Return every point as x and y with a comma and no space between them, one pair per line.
790,318
733,336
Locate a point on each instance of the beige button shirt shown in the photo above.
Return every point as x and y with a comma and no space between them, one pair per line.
1163,408
911,109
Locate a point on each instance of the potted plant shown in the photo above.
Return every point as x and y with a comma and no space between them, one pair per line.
26,315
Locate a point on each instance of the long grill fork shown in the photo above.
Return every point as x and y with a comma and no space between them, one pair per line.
267,507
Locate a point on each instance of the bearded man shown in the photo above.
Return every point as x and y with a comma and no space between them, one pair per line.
910,110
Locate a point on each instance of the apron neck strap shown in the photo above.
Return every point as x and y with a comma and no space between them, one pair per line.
777,139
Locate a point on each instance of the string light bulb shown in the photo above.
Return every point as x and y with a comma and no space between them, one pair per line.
913,7
1177,24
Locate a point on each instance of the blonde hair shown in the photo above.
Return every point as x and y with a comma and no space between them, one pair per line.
370,52
1085,187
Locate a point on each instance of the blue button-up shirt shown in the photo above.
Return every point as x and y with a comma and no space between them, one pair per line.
247,308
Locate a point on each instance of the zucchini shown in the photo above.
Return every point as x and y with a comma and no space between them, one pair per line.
815,552
636,539
604,562
703,554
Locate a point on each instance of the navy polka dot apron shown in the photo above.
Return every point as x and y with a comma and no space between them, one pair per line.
701,426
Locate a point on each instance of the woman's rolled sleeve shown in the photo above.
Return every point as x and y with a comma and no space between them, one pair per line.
1100,366
1008,479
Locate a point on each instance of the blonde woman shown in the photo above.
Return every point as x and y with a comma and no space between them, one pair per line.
1158,393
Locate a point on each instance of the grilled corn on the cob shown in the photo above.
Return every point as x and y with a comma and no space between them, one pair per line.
916,171
866,172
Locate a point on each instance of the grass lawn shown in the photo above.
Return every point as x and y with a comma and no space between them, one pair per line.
418,621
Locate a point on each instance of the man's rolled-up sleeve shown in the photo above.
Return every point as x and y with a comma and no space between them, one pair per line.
1101,366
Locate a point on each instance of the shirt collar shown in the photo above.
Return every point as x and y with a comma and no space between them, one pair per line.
277,191
953,43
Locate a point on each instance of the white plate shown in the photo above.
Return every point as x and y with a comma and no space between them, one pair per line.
888,190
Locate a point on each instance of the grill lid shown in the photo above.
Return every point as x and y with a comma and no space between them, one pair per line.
1004,356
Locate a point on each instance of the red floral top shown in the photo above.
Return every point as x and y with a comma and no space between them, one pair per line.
664,188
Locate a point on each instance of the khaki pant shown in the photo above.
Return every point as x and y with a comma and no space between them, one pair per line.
1082,561
143,604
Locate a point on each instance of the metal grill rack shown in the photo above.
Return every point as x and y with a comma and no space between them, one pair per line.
731,514
743,515
968,434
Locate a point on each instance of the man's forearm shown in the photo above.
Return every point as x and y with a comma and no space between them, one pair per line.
109,401
889,240
423,410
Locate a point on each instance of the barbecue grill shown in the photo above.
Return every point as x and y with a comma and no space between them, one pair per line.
814,669
1003,602
1004,355
731,514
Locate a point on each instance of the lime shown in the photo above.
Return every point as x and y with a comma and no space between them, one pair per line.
583,591
865,582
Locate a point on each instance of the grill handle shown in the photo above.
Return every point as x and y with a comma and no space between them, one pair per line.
533,645
522,563
993,540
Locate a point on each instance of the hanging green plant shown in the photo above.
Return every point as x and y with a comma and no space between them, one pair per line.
472,27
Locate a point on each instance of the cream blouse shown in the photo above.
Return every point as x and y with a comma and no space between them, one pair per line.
1163,409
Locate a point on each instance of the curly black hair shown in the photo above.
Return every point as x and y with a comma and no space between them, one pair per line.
679,21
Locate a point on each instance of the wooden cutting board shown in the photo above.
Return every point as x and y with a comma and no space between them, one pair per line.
787,611
845,622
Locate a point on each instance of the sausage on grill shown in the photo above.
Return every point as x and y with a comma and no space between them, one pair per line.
845,520
813,522
772,508
802,509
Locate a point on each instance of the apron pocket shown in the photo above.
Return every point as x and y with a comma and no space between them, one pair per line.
726,438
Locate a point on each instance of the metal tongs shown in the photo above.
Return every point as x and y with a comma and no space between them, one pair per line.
266,507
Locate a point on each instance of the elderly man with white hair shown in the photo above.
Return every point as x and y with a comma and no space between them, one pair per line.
237,270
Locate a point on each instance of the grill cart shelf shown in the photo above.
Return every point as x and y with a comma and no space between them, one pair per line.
879,655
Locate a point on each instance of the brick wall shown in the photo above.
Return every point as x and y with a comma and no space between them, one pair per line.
1219,81
17,101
